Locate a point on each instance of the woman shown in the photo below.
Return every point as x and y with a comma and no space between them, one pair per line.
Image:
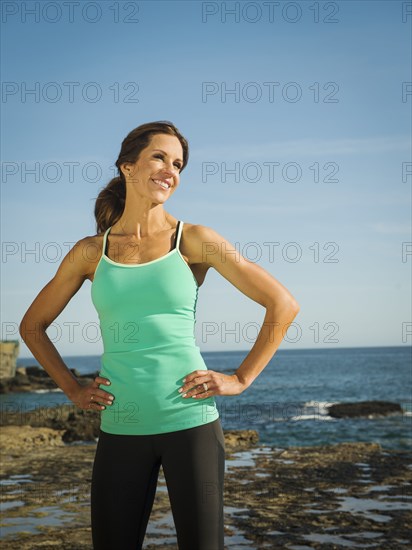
160,409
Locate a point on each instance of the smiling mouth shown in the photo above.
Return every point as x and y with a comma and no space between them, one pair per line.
162,184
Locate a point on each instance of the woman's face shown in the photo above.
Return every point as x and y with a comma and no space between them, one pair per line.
156,174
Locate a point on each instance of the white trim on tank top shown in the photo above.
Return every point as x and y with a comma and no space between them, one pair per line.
175,249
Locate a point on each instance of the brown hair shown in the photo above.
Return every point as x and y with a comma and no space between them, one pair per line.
110,202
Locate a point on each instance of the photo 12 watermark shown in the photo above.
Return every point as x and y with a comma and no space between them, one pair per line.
70,171
292,333
269,92
270,11
269,172
70,92
69,11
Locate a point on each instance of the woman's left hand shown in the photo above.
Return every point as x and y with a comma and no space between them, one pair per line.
216,384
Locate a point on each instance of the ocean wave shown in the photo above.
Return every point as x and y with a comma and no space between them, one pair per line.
320,407
311,417
320,403
48,391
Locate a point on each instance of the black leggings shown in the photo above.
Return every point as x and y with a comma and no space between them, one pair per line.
124,481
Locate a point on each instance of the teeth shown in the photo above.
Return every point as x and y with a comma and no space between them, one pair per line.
162,184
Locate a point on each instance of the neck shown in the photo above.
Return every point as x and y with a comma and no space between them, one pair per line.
142,218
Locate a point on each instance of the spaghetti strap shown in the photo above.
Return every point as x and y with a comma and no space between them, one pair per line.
179,233
177,240
105,240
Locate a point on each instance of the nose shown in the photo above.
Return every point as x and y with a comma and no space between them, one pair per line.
174,170
171,169
170,172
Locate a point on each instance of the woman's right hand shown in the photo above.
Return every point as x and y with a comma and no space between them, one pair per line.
91,397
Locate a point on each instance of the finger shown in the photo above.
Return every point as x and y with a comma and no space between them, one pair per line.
196,380
95,406
198,390
202,395
196,373
95,401
103,397
100,380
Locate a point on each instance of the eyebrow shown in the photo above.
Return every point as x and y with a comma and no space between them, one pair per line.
166,154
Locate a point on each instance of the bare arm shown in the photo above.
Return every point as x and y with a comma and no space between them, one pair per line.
207,246
48,305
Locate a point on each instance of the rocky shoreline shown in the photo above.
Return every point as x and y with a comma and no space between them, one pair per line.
354,495
337,496
33,378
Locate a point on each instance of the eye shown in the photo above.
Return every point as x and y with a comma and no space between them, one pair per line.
177,164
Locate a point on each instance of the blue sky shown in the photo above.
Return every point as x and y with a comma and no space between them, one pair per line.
318,97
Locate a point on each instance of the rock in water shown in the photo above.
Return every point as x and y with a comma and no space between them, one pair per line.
364,408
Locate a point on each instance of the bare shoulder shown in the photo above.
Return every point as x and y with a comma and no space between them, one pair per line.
196,230
84,255
201,242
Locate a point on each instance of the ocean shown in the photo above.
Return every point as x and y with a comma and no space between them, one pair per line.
287,403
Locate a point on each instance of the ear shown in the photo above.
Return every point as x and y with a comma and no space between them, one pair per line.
126,168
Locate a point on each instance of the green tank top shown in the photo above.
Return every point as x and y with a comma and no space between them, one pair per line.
147,315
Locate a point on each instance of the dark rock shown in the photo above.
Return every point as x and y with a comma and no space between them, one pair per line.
38,372
72,434
364,408
238,440
4,386
20,380
80,425
32,378
77,373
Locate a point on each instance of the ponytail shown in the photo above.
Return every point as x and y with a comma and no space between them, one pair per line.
110,203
